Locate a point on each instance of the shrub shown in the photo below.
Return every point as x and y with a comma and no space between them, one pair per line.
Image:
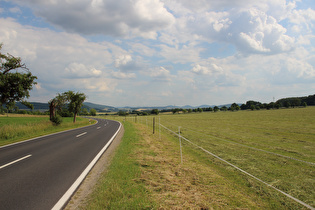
56,120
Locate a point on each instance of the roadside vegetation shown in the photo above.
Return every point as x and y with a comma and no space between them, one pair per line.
121,186
17,128
275,146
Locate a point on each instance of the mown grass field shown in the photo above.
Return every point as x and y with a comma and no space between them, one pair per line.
17,128
276,146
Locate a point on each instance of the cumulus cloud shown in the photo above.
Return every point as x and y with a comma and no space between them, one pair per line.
142,49
108,17
126,63
122,75
207,70
107,48
183,54
81,70
61,61
251,31
159,74
302,19
251,26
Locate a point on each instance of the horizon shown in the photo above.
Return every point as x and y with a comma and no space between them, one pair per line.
193,106
154,52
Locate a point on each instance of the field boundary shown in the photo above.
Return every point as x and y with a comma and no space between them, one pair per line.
239,169
243,145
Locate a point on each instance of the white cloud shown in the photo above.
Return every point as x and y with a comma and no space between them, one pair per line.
303,18
123,60
122,75
61,61
183,54
212,69
251,26
108,17
80,70
142,49
159,74
101,47
126,63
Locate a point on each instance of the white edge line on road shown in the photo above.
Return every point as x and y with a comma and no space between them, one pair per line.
81,134
20,142
27,156
64,199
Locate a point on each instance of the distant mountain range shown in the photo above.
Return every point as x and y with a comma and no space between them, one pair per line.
170,107
104,108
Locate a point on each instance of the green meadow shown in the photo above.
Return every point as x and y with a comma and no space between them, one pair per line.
275,146
17,128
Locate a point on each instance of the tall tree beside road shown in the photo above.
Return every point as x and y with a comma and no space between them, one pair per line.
14,86
76,102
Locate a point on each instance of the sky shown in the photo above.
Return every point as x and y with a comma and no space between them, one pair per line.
164,52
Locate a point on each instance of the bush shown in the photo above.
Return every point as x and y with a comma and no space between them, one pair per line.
56,120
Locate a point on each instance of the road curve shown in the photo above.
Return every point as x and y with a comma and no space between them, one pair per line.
36,174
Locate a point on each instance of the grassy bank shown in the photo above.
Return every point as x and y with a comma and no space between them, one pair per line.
17,128
120,187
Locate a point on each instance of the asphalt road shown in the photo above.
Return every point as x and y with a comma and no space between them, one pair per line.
36,174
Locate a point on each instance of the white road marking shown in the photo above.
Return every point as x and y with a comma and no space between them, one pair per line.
27,156
81,134
64,199
98,127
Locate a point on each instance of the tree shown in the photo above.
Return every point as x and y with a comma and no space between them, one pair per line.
175,110
85,112
14,86
155,111
224,108
215,109
76,101
93,112
122,113
234,106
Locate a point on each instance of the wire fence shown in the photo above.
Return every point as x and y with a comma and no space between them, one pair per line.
221,150
239,169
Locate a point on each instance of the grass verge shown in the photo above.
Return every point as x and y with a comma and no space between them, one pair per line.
17,128
119,187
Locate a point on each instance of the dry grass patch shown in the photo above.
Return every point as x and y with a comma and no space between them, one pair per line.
191,185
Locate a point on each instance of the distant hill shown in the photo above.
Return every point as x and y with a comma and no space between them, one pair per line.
99,107
37,106
45,106
171,107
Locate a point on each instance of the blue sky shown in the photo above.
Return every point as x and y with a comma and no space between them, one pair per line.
164,52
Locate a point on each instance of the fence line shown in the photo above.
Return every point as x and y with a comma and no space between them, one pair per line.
243,145
254,177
